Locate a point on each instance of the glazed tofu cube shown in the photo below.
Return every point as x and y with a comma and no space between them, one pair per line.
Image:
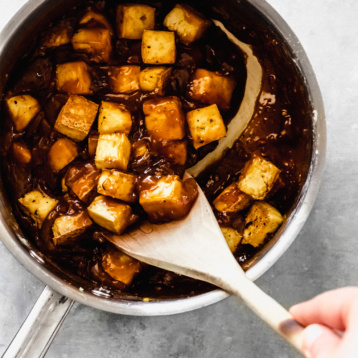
113,151
133,19
169,198
189,25
92,143
118,185
164,118
262,219
21,153
175,151
67,228
22,110
155,79
37,205
95,17
205,125
120,266
232,199
96,42
158,47
59,35
124,79
210,88
258,178
232,237
114,117
110,214
76,118
61,153
82,179
73,78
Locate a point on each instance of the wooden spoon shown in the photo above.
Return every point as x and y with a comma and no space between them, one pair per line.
195,247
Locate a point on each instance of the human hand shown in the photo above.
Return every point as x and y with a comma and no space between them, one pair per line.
331,321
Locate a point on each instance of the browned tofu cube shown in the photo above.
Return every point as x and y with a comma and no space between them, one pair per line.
158,47
59,35
124,79
110,214
113,151
96,42
118,185
92,143
114,117
120,266
164,118
61,153
22,110
175,151
189,24
133,19
73,78
155,79
168,198
210,88
92,16
76,118
21,153
82,179
37,205
232,237
262,219
67,228
205,125
232,199
258,178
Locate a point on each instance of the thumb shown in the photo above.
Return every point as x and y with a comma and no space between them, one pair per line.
320,341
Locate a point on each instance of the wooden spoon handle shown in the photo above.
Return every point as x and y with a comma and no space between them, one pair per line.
268,310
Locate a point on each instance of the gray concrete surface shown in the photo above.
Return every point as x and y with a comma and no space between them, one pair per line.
324,255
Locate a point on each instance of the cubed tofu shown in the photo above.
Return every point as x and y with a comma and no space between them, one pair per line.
96,42
82,179
189,25
158,47
232,237
168,198
67,228
164,118
175,151
113,118
124,79
210,88
155,79
92,16
61,153
76,118
205,125
21,153
133,19
59,35
258,178
110,214
232,199
120,266
113,151
92,143
22,110
262,219
37,205
118,185
73,78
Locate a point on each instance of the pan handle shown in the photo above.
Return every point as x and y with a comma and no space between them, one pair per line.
40,327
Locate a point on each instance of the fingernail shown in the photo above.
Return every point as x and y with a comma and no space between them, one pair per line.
311,334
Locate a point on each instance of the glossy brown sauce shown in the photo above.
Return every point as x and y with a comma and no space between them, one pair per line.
277,132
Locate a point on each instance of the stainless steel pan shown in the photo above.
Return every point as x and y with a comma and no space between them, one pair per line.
58,296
